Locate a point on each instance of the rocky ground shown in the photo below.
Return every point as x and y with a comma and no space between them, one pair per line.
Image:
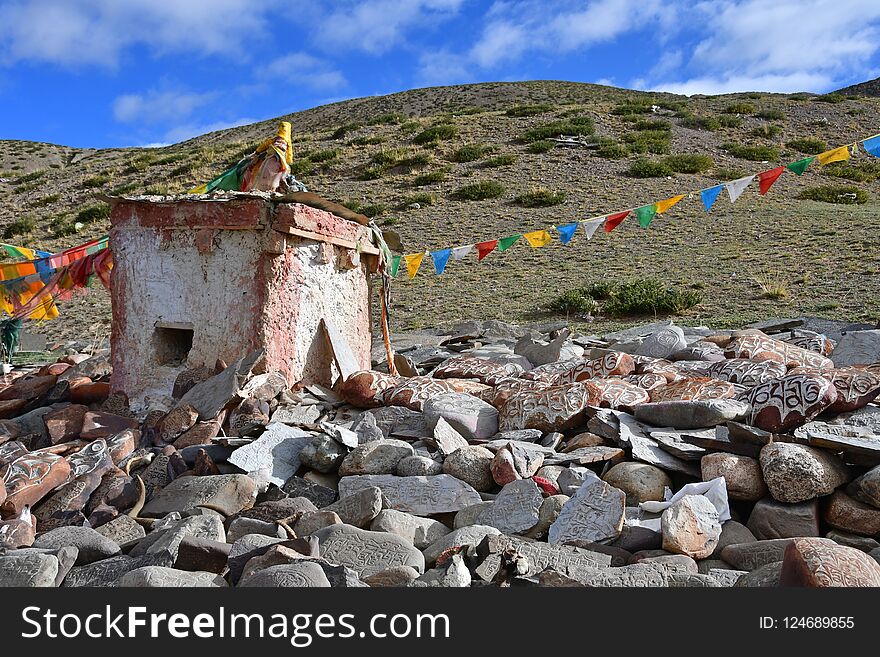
499,456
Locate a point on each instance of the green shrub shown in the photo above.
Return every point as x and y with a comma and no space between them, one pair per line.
98,180
500,161
61,226
540,197
541,146
612,150
645,168
373,173
728,173
573,302
442,131
832,98
436,176
389,118
93,214
184,170
125,189
415,160
632,108
21,226
46,200
528,110
479,191
387,157
373,210
767,130
410,127
709,123
752,153
29,177
840,194
807,145
740,108
326,155
652,124
771,114
689,163
422,198
302,167
730,121
648,141
862,172
344,129
630,298
368,141
576,125
472,152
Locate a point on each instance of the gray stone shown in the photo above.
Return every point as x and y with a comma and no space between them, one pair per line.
242,526
863,543
320,496
151,577
296,415
303,574
446,438
641,482
121,530
639,575
367,552
725,576
515,510
396,576
539,352
309,523
468,515
222,390
471,536
418,466
471,417
692,414
644,448
420,496
377,457
92,546
867,487
766,576
323,454
550,509
168,539
202,554
742,475
663,342
572,478
574,562
732,532
452,574
389,421
750,556
594,513
421,532
245,549
107,571
690,526
228,494
358,508
771,519
795,473
521,435
274,455
31,570
275,510
857,348
473,465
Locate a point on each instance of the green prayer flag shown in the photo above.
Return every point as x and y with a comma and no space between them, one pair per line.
12,251
395,264
506,242
800,166
645,214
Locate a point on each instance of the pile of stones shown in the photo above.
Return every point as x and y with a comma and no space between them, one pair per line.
496,455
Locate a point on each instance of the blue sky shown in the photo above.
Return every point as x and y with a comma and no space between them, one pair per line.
98,73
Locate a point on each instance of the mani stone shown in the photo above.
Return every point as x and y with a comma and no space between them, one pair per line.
366,552
641,482
121,530
246,548
818,562
276,451
418,466
421,532
152,577
242,526
167,537
319,495
595,513
766,576
468,516
452,574
845,513
515,509
662,343
795,473
359,508
92,546
420,496
867,487
471,417
31,570
377,457
275,510
750,556
771,519
471,464
322,454
202,554
30,477
691,414
107,571
469,536
574,562
303,574
637,575
857,348
742,475
446,438
396,576
227,494
213,395
309,523
691,527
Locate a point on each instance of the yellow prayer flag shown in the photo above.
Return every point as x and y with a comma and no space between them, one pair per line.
663,206
538,238
834,155
413,262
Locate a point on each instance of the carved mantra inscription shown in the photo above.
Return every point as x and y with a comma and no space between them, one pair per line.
693,389
747,372
785,403
551,409
759,347
468,367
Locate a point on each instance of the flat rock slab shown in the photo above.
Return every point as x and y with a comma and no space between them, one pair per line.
212,396
515,510
693,414
568,560
152,577
420,496
276,452
471,535
421,532
595,513
227,493
367,552
305,574
92,546
107,571
471,417
32,570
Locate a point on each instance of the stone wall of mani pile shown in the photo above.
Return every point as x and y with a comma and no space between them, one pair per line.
499,456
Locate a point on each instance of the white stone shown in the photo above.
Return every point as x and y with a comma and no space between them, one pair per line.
276,451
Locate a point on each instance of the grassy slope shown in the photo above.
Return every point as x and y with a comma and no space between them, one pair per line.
826,255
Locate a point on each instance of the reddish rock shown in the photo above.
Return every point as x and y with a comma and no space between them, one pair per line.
93,392
670,371
11,407
415,391
190,378
503,467
65,423
618,394
468,367
469,386
855,389
745,371
817,562
73,359
784,404
30,478
503,390
693,389
818,343
201,433
123,444
761,347
850,515
117,403
364,389
2,492
552,409
612,364
18,532
646,381
176,422
104,425
29,387
55,369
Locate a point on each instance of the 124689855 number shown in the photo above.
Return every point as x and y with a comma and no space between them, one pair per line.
818,622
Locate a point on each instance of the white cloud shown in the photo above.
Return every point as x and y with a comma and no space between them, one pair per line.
157,106
300,68
95,32
443,67
189,130
725,85
501,41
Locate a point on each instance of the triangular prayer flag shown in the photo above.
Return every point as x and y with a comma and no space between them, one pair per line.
736,187
485,248
591,225
538,238
834,155
506,242
440,259
460,252
612,221
801,165
395,264
566,232
645,214
663,206
710,195
413,262
767,178
872,146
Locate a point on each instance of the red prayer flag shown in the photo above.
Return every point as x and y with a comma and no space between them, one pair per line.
767,178
485,248
614,220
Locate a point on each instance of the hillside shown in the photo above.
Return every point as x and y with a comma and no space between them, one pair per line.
770,256
869,88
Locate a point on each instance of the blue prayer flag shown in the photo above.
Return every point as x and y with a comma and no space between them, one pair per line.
440,259
872,146
709,196
566,232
